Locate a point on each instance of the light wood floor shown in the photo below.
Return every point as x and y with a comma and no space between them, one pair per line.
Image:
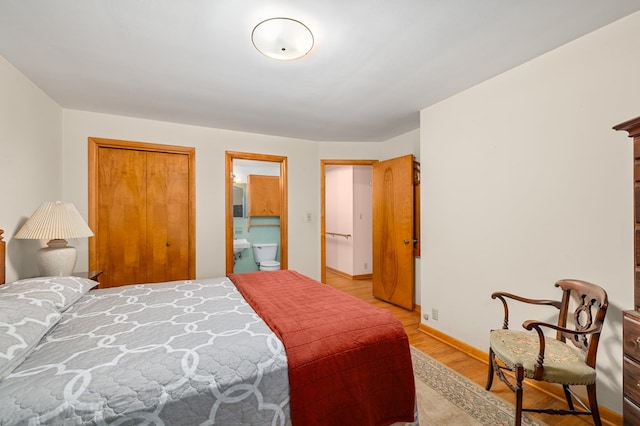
464,364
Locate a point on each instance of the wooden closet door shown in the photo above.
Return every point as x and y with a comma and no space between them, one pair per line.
167,217
121,235
142,212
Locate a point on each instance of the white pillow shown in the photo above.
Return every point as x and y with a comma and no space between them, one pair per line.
61,292
22,325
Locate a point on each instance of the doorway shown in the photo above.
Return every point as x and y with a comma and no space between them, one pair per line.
325,233
254,218
394,227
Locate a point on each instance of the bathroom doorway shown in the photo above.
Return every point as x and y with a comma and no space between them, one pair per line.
258,221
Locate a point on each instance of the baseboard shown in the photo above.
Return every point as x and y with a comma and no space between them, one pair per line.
607,416
349,276
363,277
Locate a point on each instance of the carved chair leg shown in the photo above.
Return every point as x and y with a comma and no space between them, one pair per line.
519,378
490,374
593,404
567,395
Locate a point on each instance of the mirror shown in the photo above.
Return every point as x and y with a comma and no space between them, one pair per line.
256,209
239,203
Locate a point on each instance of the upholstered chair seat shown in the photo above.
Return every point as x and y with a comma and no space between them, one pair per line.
567,358
563,363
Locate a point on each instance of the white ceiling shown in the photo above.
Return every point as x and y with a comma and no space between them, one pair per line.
374,66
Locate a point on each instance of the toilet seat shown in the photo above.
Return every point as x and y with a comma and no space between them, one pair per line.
269,265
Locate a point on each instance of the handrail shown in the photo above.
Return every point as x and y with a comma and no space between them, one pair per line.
337,234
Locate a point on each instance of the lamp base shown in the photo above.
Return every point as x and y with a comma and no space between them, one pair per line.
57,260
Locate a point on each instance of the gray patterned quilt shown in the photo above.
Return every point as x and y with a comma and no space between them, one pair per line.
180,353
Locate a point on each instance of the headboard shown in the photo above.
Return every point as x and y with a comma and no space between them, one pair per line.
2,255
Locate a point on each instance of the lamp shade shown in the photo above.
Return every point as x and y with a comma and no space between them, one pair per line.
54,220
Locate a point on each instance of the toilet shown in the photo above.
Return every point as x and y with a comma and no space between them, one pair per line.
265,256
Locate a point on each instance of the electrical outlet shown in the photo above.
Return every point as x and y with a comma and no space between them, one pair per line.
366,266
307,218
426,317
434,314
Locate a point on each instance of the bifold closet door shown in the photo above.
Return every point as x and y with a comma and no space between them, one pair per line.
121,236
143,216
167,216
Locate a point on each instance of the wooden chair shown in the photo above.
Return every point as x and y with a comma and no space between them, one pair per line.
533,355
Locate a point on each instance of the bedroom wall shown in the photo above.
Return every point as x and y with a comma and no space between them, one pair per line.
30,164
52,141
526,183
210,145
303,159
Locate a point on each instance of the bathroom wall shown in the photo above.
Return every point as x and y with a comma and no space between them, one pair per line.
257,234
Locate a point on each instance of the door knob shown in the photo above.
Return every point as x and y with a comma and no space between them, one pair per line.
408,241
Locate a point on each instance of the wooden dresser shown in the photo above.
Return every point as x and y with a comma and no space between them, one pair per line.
631,318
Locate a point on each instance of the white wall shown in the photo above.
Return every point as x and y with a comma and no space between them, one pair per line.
348,211
210,145
44,157
407,143
524,182
339,218
362,220
30,162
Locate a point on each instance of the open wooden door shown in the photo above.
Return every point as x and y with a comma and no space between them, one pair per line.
393,233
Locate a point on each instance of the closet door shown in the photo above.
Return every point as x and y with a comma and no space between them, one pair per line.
142,211
121,233
167,216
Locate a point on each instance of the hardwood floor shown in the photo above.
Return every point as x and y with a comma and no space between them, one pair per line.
459,361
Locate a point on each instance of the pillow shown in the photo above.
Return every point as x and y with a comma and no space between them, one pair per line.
22,325
61,292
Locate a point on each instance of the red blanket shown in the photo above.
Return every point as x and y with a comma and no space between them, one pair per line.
349,361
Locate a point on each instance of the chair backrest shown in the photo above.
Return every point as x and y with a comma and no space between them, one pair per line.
588,303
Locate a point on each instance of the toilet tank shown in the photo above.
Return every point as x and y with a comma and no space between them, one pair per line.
265,251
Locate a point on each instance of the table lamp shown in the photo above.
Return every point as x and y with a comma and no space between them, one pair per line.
55,221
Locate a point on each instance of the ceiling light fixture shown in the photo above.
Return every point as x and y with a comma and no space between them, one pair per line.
282,38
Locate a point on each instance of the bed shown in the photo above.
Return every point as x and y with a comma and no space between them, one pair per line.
260,348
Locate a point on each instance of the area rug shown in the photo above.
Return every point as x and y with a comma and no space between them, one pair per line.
447,398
